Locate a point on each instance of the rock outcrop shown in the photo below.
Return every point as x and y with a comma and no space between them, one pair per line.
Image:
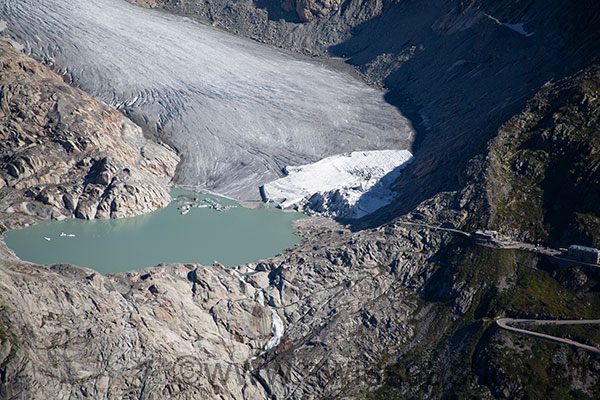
190,331
64,154
544,171
306,10
309,9
159,333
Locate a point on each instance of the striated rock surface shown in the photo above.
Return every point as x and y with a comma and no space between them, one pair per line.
64,154
160,333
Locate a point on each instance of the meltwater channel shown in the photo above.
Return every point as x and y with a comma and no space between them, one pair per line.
234,235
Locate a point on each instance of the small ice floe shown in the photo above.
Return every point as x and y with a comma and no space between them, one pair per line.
185,209
47,238
186,202
519,29
213,204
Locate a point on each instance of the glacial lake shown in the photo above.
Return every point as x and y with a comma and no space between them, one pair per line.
232,235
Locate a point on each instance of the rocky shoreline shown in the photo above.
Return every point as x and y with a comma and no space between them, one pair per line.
64,154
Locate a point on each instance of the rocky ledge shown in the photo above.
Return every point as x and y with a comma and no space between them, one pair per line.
64,154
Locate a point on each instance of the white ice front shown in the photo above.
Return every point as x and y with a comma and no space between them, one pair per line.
350,184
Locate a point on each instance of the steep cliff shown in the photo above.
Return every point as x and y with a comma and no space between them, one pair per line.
64,154
544,176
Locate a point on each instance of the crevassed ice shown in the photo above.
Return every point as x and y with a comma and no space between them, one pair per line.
349,185
237,110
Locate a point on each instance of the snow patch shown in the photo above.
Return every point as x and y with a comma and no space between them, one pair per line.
347,185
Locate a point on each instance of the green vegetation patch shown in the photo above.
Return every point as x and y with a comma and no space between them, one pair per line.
8,340
451,360
541,369
545,166
537,292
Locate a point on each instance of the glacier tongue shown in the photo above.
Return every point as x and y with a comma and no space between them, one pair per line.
237,110
347,185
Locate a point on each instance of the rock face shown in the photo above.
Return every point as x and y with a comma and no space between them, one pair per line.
306,10
168,330
309,9
64,154
544,174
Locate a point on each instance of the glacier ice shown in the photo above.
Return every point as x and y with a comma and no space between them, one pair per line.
345,185
237,110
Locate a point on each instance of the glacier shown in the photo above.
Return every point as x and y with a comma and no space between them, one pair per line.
348,185
238,111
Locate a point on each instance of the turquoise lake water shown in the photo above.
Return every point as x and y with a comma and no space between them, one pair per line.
203,235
